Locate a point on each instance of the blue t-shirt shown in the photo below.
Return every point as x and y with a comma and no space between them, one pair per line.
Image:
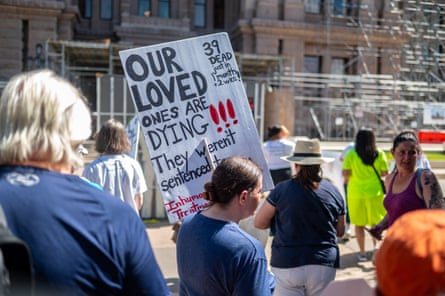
217,257
83,241
305,224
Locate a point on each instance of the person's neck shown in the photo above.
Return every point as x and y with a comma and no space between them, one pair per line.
215,211
405,173
57,167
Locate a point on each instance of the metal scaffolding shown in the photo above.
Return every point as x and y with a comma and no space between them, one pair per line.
336,105
387,103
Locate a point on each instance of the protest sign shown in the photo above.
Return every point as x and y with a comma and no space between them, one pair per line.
193,112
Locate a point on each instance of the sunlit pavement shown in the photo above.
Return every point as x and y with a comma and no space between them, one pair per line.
165,252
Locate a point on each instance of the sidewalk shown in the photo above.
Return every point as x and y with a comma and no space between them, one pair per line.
165,252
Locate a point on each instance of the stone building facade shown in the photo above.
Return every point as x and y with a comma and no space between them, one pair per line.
339,37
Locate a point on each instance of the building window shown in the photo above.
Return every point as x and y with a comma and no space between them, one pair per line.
85,8
144,7
380,7
164,8
312,64
281,10
106,9
352,8
25,40
338,66
200,13
379,61
339,7
312,6
218,14
280,46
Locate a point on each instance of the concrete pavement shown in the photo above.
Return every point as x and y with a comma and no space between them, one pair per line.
165,252
159,233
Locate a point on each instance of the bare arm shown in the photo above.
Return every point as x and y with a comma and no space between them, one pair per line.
383,223
346,174
138,200
387,181
377,230
432,192
264,215
341,225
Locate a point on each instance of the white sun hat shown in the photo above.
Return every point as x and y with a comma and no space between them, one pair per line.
307,152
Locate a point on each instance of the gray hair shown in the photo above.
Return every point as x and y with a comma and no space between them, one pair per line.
43,117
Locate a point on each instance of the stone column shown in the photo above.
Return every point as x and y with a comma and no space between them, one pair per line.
279,108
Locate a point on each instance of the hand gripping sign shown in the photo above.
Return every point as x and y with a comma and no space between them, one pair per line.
193,112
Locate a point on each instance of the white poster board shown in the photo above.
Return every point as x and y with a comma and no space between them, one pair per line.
434,114
193,112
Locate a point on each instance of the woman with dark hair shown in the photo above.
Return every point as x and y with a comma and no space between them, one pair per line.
362,167
421,159
308,213
214,255
115,171
409,187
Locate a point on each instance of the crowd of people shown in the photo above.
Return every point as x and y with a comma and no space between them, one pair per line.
86,237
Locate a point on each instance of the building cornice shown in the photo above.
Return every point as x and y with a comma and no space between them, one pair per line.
323,33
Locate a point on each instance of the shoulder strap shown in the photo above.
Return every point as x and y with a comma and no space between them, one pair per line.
419,183
375,170
380,179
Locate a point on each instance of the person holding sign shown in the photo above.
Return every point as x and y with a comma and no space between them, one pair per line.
115,171
83,241
214,255
189,95
309,214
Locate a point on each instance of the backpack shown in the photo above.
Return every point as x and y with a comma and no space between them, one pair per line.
16,274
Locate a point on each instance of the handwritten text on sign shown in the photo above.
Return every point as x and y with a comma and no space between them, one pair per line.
193,112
